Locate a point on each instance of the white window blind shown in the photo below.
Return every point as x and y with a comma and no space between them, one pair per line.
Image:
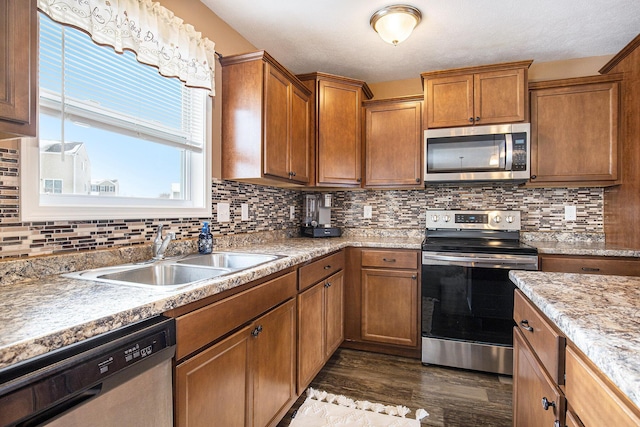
82,81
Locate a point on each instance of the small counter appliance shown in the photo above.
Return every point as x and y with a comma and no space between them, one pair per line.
317,216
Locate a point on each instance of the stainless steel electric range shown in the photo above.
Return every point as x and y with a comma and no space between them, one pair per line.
467,297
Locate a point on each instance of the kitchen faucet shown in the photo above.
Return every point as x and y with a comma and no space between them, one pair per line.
160,244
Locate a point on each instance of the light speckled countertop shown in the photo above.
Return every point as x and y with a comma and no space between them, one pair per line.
583,248
41,315
599,314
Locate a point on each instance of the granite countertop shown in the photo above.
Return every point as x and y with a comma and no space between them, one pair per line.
583,248
41,315
599,314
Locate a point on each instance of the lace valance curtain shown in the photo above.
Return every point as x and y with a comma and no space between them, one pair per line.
152,32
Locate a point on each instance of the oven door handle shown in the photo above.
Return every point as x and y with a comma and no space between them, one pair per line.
511,262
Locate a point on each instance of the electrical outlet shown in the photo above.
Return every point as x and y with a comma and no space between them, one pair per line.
367,212
223,212
244,210
569,213
292,213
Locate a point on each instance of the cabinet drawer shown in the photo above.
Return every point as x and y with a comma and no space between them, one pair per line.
320,269
543,338
198,328
389,258
593,398
590,265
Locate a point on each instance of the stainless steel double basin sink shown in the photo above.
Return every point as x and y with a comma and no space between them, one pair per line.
175,273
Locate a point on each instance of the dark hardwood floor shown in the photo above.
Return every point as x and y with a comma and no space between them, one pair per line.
452,397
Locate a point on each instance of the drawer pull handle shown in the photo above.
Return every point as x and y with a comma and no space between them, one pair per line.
525,325
256,331
546,404
327,267
389,259
591,269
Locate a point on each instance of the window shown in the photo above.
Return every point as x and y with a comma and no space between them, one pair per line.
52,186
118,135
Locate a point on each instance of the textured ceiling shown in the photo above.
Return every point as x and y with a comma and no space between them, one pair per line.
334,36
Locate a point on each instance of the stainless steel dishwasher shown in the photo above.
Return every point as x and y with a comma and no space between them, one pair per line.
119,378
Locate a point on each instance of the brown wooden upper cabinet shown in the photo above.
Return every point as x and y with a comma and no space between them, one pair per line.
393,143
265,122
18,68
336,128
574,131
476,95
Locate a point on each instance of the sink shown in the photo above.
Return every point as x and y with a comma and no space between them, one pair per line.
175,273
164,275
232,260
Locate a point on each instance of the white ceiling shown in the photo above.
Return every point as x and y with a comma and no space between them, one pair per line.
334,36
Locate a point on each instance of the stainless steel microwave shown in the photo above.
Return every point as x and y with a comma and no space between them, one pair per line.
478,153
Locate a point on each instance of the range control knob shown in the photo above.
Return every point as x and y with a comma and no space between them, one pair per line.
509,219
497,219
446,218
435,218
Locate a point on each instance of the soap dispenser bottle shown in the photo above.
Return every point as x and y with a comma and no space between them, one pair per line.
205,240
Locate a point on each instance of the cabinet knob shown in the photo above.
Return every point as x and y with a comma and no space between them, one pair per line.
534,176
294,174
546,404
256,331
525,325
359,180
327,267
328,284
470,119
414,277
477,119
418,180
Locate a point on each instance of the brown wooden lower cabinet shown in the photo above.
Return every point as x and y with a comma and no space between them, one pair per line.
537,400
588,398
590,264
594,400
245,380
320,322
382,294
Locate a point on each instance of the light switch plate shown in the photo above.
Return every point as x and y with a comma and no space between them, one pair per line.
569,213
223,212
292,213
244,209
368,212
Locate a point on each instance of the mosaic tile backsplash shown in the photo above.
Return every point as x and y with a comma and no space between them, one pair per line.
542,211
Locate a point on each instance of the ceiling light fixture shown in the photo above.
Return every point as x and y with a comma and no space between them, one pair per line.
395,23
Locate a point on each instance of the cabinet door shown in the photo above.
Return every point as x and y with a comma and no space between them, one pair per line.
390,307
530,387
276,123
299,142
208,382
339,134
393,144
18,67
311,336
449,101
574,134
499,97
273,358
334,313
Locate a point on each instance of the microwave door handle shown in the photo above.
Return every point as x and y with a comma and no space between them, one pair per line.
509,148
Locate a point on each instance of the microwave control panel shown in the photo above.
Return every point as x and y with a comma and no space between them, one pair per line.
519,152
